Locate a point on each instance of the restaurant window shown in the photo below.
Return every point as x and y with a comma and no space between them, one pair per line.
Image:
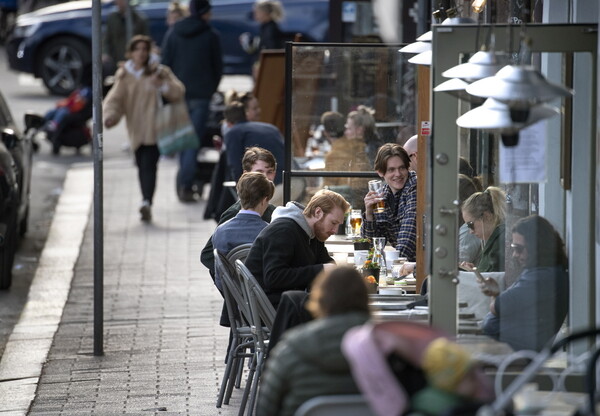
344,101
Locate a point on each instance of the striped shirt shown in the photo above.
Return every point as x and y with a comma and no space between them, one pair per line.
398,222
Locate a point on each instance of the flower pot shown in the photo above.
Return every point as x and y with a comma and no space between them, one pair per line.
372,288
371,272
362,245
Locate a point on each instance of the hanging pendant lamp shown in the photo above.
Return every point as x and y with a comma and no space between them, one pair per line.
481,65
456,87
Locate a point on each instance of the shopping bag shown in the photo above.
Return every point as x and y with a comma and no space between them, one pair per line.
174,130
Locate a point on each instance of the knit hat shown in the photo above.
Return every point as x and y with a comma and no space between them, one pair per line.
199,7
445,363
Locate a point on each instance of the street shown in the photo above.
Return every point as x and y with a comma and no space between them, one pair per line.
25,93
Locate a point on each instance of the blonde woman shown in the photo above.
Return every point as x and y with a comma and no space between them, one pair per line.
484,214
139,83
269,13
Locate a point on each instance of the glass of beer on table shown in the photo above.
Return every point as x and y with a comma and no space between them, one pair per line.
377,187
355,222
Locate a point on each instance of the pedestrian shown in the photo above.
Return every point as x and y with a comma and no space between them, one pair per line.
139,84
192,49
269,13
115,36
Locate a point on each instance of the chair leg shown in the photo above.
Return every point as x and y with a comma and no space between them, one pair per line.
254,387
248,386
228,368
233,375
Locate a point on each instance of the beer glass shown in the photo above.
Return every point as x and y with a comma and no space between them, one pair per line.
356,222
377,187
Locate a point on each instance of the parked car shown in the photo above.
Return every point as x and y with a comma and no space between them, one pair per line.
16,152
54,43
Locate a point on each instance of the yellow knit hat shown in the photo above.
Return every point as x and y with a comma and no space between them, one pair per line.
445,363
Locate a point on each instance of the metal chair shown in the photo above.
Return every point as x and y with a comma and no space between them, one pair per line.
239,253
239,320
336,405
263,316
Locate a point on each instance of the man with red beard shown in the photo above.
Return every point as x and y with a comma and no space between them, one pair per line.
290,252
398,221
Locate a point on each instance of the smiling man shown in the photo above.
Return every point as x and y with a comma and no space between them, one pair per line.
290,252
398,222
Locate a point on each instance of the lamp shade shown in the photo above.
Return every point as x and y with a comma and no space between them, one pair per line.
426,37
416,47
496,116
518,86
424,58
481,65
456,87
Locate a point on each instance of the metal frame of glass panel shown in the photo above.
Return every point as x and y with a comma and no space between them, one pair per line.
449,42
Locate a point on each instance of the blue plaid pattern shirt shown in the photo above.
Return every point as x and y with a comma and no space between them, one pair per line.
398,222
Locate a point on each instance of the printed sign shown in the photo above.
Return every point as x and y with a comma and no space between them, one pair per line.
349,12
425,128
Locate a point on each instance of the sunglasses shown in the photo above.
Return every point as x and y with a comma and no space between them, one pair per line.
518,248
471,225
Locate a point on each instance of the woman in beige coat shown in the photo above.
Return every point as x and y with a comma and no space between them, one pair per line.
138,85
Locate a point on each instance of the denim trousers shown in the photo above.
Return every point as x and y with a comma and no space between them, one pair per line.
198,110
146,159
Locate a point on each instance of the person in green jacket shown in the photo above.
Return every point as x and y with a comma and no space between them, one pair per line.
308,362
484,213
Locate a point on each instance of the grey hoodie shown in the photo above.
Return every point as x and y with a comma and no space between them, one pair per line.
293,210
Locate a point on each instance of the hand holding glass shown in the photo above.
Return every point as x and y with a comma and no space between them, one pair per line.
377,187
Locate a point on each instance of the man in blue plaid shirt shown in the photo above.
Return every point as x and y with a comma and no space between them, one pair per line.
398,221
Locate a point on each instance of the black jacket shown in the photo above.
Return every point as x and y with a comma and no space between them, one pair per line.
192,49
285,255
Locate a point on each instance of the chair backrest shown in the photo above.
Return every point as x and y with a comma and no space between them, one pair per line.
263,305
237,306
239,253
336,405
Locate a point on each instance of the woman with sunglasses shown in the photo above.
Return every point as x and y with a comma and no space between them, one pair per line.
531,311
484,213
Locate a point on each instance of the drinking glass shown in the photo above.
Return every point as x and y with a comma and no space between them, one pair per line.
355,222
377,187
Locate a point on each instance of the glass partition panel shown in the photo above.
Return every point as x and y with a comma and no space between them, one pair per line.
344,101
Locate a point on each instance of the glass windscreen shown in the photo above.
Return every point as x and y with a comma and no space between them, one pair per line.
514,281
346,101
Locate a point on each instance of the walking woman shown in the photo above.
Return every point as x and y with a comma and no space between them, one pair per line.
139,84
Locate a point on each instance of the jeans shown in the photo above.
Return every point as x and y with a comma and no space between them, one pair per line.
198,110
146,159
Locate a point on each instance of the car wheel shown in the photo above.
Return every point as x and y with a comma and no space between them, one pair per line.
7,255
61,64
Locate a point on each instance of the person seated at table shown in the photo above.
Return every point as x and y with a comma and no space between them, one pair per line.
398,221
308,361
254,191
256,159
484,214
529,313
290,252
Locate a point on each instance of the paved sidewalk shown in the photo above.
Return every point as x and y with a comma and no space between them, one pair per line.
163,347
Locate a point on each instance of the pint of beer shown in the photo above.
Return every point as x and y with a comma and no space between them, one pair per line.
377,186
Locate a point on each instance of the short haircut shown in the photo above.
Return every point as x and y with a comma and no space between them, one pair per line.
388,151
342,290
235,113
492,200
254,154
333,123
326,200
252,188
544,246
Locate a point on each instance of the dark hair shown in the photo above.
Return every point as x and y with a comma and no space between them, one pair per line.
235,113
254,154
133,44
342,290
252,188
544,246
333,123
326,200
466,188
465,167
492,200
388,151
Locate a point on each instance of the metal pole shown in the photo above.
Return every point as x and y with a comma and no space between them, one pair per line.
98,191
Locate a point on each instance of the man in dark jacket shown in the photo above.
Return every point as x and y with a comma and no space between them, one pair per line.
290,252
192,49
